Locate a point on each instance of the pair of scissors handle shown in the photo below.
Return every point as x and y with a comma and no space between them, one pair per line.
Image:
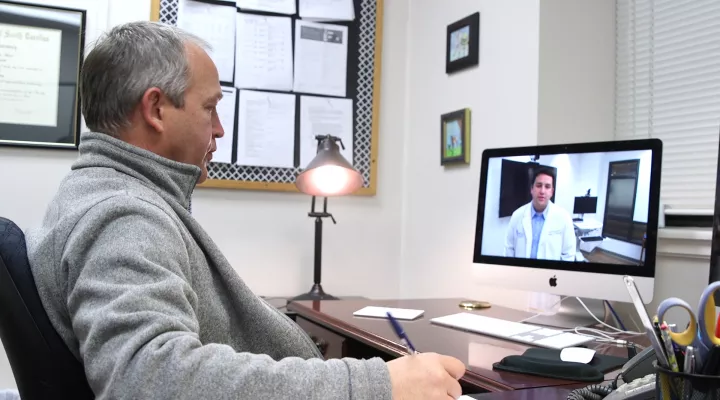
704,320
688,336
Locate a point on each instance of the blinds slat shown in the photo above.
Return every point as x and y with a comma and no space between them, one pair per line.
668,86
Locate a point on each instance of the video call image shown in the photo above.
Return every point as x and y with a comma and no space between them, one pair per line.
589,207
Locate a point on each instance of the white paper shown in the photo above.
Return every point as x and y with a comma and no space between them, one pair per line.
29,75
381,312
263,54
465,397
266,129
274,6
215,24
320,58
226,112
327,10
325,116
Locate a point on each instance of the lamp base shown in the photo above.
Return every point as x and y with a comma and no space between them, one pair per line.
316,293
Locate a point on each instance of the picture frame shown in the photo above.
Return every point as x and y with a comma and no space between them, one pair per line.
462,44
455,137
41,54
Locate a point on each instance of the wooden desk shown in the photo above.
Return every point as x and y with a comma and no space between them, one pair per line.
331,323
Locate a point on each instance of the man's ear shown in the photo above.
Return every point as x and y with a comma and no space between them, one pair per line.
152,107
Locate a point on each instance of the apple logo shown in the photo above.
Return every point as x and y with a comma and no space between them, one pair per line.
553,281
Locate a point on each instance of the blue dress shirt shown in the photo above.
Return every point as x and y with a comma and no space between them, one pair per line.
538,220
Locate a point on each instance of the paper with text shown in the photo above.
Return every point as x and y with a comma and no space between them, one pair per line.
325,116
226,112
215,24
321,58
274,6
266,129
263,54
327,10
29,75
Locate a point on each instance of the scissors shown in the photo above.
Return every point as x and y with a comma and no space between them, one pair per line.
701,332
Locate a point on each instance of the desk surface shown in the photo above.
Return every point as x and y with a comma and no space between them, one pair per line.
478,352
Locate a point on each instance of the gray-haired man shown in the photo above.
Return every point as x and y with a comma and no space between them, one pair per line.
137,289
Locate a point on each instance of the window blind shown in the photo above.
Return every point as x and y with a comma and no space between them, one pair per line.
668,87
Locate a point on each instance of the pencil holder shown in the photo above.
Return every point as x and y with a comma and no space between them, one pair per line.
671,385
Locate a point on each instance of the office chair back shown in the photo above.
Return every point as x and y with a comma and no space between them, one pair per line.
43,366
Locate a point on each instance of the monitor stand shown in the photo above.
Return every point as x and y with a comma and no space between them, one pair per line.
572,314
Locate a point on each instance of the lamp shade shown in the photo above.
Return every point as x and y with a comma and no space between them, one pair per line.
329,173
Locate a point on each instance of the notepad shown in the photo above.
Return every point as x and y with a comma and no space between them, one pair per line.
398,313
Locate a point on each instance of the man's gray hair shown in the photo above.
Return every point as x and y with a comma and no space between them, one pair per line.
126,62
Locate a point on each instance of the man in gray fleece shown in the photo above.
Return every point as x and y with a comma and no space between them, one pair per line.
133,284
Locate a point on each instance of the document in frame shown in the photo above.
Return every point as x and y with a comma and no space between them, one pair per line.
263,54
226,112
273,6
327,10
266,129
325,116
321,58
29,75
215,24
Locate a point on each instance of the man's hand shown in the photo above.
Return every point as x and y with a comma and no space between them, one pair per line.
426,376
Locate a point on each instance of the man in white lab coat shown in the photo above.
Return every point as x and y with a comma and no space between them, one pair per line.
541,229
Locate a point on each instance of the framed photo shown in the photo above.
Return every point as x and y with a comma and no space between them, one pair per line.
463,47
455,137
41,51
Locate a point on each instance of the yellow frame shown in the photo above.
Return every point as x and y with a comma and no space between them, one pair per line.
290,187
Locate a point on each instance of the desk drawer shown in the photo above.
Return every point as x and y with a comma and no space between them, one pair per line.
330,343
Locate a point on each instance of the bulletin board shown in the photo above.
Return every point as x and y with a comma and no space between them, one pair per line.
363,87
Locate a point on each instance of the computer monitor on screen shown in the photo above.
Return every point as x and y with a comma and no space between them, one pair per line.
526,237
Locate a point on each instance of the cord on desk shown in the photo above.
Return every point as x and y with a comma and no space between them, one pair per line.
617,317
592,392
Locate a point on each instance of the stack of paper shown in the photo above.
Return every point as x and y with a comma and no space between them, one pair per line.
266,129
320,58
327,10
398,313
216,25
273,6
263,57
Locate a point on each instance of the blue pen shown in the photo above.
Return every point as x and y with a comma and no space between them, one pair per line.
401,334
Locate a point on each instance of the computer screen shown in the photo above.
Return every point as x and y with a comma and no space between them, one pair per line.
591,207
585,205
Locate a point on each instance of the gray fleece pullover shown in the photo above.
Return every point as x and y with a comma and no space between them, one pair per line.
147,302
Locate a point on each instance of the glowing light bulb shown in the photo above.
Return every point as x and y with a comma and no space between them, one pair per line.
330,179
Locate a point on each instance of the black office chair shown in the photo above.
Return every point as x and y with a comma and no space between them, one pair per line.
43,366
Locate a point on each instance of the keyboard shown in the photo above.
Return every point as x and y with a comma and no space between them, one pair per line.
514,331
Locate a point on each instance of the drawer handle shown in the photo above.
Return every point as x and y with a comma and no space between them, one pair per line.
321,344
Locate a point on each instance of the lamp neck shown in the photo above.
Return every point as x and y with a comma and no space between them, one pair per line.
319,215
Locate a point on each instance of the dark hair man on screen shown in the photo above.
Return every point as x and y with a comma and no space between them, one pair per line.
541,229
134,285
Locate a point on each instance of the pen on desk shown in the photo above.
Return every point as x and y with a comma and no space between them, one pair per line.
401,334
689,366
665,338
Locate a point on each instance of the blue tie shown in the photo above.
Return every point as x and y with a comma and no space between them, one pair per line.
538,220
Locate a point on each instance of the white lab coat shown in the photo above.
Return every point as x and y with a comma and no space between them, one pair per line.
557,239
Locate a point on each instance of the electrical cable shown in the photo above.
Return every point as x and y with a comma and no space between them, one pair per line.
617,317
592,392
603,323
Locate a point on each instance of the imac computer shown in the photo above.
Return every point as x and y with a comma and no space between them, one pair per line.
528,236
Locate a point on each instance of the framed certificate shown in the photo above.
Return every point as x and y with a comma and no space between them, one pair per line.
41,51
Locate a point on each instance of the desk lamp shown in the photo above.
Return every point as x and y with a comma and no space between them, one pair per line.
328,174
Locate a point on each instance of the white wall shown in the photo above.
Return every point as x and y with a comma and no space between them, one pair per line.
536,84
577,71
439,204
